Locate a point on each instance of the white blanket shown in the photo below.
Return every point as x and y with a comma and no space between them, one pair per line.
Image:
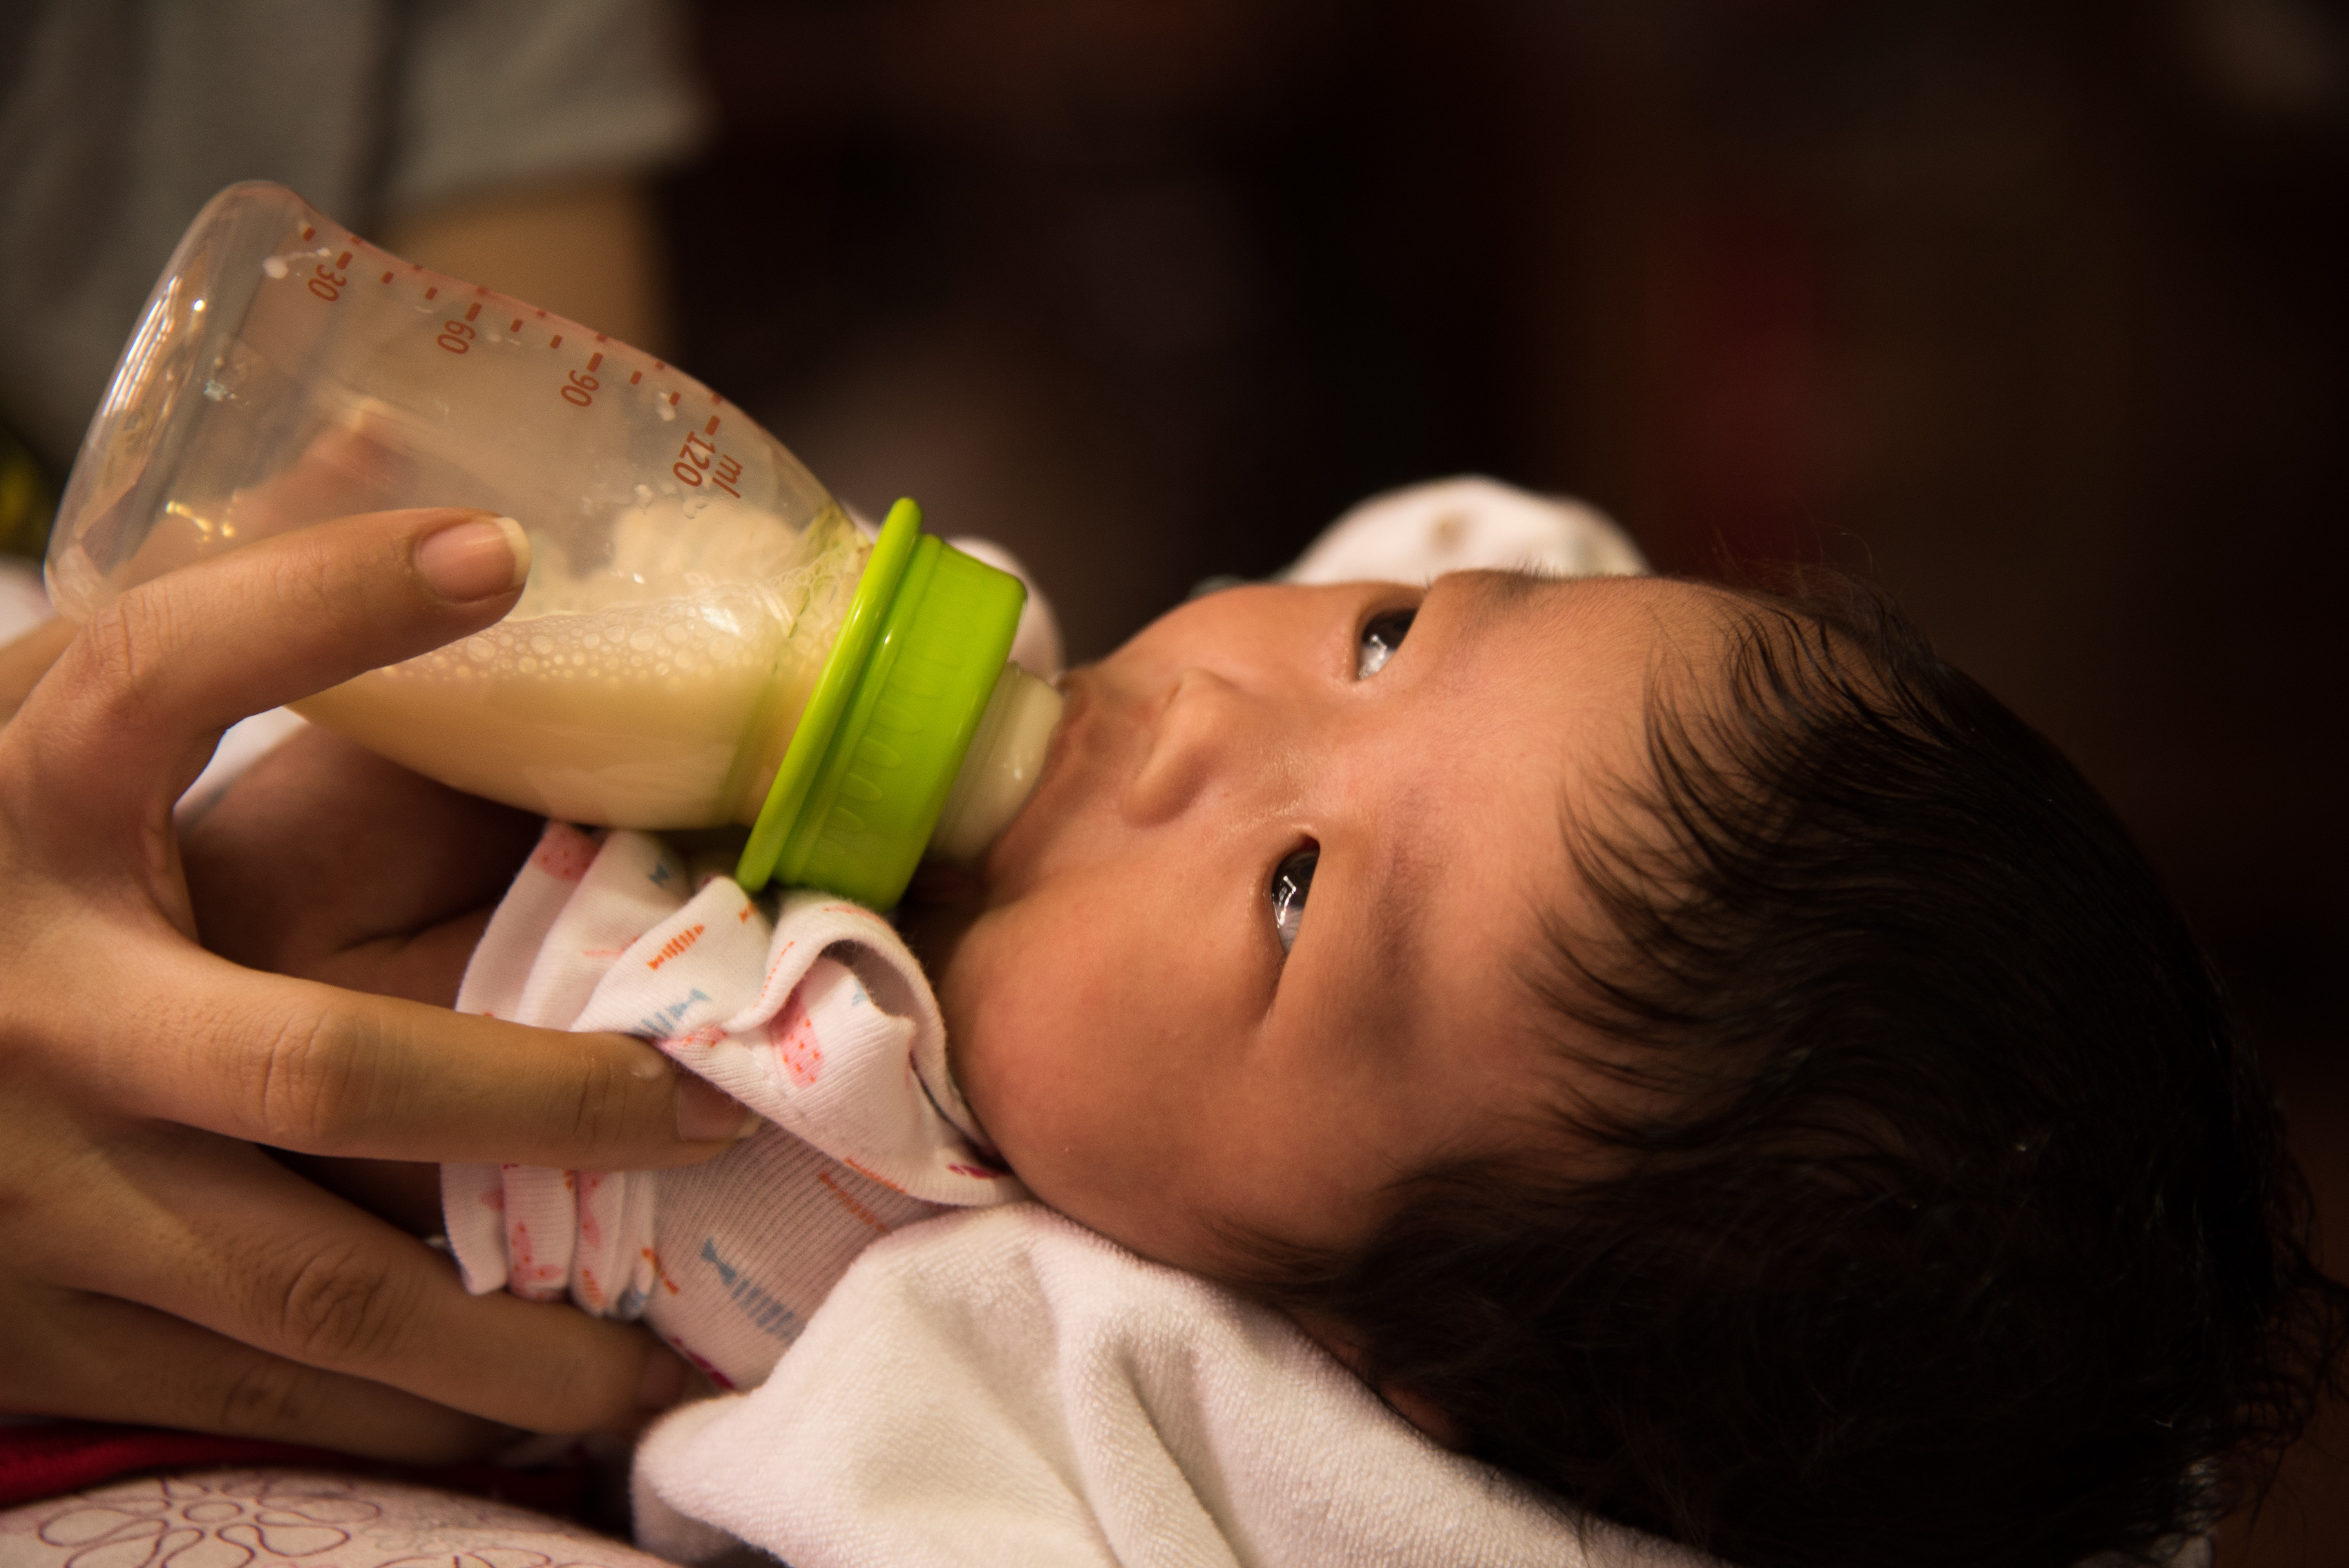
1001,1389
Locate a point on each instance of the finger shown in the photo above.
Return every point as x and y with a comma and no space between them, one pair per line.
324,846
302,1066
98,1359
226,1238
26,660
145,690
428,966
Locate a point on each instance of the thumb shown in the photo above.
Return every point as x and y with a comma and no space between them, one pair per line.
132,707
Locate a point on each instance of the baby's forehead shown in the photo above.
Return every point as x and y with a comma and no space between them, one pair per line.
1563,649
1548,683
1596,657
1658,614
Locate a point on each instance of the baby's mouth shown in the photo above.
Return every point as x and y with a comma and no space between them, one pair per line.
1021,837
1076,688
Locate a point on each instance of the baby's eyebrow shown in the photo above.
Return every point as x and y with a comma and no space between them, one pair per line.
1483,599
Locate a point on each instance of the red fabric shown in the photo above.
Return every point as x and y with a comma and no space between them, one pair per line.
61,1457
66,1456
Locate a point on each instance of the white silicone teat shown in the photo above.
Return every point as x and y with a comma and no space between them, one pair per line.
1001,768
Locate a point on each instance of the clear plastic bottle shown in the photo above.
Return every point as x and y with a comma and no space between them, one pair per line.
691,580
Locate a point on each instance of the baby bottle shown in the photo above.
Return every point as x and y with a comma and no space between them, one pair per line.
705,637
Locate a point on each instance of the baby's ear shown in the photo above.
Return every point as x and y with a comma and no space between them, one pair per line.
1412,1407
1423,1413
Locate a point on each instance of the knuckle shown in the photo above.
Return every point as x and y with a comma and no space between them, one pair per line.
300,581
600,1099
126,650
342,1306
315,1085
588,1386
264,1395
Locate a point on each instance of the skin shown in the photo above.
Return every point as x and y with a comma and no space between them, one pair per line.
164,1268
1125,1021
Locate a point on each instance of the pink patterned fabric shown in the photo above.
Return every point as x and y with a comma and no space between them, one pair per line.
238,1518
815,1016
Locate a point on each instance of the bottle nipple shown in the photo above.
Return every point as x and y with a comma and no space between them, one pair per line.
918,737
1000,770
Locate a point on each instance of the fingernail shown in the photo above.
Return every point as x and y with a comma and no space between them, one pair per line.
662,1384
473,560
705,1111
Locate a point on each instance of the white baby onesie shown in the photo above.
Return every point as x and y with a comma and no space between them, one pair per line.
819,1019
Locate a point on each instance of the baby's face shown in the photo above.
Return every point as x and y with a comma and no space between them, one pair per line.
1249,952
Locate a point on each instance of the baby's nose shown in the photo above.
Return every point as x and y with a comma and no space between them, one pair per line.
1198,729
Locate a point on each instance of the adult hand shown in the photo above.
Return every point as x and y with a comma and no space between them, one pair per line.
326,862
162,1269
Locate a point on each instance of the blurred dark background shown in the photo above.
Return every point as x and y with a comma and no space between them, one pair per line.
2039,313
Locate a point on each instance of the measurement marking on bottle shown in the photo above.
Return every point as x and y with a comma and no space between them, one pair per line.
386,278
672,399
635,376
433,290
307,232
556,341
542,316
328,285
711,427
593,360
516,327
473,310
344,260
694,458
715,399
659,365
723,476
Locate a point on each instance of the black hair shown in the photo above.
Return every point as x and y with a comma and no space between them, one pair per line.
1925,1210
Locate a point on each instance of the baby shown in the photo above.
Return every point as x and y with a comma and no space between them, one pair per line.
1684,1043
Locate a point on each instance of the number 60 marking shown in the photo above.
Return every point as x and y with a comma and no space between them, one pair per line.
581,390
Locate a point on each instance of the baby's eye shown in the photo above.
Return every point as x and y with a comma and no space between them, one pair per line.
1291,879
1382,634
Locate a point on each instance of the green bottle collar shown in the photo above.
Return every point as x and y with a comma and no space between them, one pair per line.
858,794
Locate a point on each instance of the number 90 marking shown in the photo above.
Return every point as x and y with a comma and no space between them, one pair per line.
580,389
454,335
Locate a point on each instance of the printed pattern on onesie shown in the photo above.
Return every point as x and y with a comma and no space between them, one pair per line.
818,1019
